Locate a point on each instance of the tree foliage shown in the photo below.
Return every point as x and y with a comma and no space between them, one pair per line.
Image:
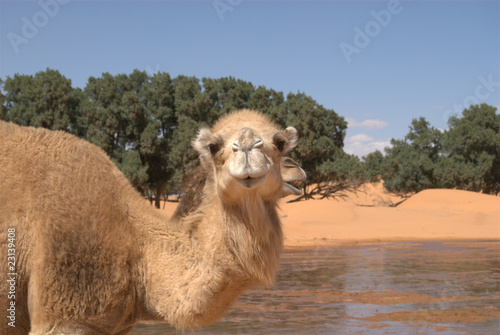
145,123
373,166
43,100
471,151
342,167
409,164
465,156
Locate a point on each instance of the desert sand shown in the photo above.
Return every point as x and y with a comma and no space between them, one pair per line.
370,215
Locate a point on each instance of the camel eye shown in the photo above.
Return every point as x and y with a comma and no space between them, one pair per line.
214,148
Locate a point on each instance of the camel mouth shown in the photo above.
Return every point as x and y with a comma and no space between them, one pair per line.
293,186
293,176
249,182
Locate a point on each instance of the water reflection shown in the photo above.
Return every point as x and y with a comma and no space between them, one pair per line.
379,288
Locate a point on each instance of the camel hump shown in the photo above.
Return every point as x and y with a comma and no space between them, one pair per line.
60,179
68,205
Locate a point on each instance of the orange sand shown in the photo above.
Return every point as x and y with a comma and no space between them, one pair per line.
366,215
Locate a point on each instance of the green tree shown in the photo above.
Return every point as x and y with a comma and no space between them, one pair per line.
225,95
155,134
105,123
114,118
343,167
407,170
134,169
424,138
321,133
270,102
409,164
77,116
114,111
132,117
339,175
374,165
182,156
146,123
189,100
43,100
191,106
471,151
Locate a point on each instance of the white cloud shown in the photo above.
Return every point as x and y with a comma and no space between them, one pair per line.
368,124
360,138
362,144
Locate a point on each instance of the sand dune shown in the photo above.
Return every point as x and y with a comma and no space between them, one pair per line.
452,200
366,215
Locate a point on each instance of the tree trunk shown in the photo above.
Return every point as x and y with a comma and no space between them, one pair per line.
159,190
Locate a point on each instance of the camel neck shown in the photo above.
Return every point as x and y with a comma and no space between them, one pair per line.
197,266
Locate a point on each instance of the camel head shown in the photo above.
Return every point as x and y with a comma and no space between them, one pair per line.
292,175
244,151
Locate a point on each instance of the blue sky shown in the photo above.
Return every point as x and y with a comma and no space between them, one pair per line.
377,63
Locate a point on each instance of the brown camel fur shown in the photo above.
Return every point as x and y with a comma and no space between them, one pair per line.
92,257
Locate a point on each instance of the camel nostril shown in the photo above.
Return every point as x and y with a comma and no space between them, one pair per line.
236,146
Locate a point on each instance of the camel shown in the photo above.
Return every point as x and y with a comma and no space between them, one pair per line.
91,256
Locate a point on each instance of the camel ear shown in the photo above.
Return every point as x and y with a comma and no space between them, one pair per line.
286,140
200,144
207,143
